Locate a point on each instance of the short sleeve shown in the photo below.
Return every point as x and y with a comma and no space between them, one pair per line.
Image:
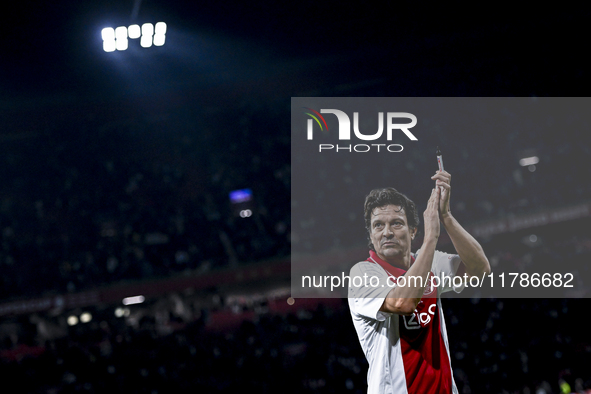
369,284
445,266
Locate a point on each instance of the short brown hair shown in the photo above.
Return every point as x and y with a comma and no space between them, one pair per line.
389,196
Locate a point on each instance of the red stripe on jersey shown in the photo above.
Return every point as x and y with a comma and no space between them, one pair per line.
426,362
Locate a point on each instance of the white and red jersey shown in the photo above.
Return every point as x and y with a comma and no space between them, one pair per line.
406,354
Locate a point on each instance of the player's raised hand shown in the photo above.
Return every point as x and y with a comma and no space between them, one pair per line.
431,215
443,182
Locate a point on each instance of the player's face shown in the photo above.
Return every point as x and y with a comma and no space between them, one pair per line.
390,234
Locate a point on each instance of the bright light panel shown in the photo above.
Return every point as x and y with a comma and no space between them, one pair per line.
108,33
109,45
528,161
160,28
121,44
146,41
133,300
121,38
134,31
159,36
121,32
159,39
147,29
117,39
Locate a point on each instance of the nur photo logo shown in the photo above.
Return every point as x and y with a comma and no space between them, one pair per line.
390,119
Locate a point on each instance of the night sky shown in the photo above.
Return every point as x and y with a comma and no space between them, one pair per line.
273,50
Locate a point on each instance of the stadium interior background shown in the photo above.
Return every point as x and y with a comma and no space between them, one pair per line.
116,169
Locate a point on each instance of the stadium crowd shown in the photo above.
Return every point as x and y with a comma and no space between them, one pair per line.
494,348
87,203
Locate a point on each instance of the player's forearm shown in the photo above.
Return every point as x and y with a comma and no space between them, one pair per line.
468,248
403,299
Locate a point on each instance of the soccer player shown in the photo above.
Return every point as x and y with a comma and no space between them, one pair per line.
397,314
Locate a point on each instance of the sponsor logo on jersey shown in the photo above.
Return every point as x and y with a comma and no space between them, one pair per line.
421,317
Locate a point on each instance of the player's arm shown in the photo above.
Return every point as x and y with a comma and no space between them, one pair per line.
403,300
469,250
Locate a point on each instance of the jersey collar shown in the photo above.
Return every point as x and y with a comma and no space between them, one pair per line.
394,271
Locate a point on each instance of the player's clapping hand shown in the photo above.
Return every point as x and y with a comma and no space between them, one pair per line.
431,216
443,179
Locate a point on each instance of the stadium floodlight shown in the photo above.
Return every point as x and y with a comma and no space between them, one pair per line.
118,39
134,31
108,34
160,28
147,29
121,38
159,34
147,33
